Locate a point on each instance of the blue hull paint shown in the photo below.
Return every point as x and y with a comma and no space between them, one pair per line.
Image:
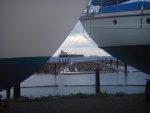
125,7
106,2
135,56
16,70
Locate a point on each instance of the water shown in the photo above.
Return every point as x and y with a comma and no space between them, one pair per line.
47,84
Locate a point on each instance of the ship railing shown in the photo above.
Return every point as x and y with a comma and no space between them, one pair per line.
92,10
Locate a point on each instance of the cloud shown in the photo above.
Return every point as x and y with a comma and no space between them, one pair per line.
77,41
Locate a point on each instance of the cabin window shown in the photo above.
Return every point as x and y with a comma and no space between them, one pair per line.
148,20
115,22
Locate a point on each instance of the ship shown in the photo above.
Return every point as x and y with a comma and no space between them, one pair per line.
66,55
121,28
30,33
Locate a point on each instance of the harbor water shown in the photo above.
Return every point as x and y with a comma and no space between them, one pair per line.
46,84
39,85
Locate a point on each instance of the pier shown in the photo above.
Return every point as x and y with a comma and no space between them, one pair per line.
79,67
54,67
67,67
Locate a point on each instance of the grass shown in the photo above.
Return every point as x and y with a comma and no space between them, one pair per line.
60,97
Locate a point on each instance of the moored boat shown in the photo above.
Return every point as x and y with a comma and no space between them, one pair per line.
30,33
122,30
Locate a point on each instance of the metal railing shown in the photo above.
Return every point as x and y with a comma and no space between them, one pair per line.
91,10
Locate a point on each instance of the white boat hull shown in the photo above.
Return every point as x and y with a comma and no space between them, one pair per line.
124,35
127,32
36,27
30,33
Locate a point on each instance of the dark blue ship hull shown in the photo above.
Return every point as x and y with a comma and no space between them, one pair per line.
135,56
15,70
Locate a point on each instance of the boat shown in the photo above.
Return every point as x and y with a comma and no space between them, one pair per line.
30,33
66,55
122,30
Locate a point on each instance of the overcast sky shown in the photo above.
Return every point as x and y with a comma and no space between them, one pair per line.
76,43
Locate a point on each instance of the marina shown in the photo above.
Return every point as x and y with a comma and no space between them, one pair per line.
84,65
111,83
69,81
33,78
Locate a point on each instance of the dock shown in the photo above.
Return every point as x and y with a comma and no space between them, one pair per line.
83,67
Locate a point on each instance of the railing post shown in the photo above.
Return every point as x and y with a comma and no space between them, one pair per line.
106,61
110,63
0,103
117,63
97,81
88,8
8,93
65,62
59,63
100,61
16,91
125,68
55,69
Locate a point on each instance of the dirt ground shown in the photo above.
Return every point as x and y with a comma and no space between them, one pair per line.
125,104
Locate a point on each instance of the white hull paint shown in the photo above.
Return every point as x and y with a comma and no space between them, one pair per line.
124,35
30,28
30,33
127,32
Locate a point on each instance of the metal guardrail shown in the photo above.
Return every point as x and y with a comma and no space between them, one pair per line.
91,10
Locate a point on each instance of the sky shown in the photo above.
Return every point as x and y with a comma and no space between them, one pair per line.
76,43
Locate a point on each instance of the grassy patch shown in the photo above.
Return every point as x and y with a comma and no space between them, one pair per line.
60,97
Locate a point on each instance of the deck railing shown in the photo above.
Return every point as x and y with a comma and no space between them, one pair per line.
136,5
